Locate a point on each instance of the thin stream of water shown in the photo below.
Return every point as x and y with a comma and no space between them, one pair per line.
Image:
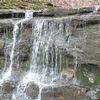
6,75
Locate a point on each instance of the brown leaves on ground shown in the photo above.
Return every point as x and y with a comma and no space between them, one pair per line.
74,3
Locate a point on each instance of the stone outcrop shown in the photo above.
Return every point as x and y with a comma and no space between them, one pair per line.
78,25
48,12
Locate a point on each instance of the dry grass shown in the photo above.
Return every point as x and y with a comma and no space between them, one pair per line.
20,4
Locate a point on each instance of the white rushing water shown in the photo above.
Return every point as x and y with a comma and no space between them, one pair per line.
46,60
97,7
34,74
6,75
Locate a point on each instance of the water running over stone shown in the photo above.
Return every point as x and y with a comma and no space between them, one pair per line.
96,9
6,75
48,68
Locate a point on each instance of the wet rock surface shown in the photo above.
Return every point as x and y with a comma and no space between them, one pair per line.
6,90
58,93
9,86
77,27
1,46
51,93
49,12
32,90
69,92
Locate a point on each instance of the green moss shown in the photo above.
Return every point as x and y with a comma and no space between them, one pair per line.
86,82
9,37
15,4
1,61
25,65
97,78
98,96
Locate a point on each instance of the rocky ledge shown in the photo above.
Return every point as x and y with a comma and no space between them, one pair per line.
48,12
78,24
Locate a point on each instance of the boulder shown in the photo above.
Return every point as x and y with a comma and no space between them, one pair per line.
6,90
32,90
63,93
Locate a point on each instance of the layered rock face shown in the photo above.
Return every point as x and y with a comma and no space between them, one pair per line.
83,29
77,26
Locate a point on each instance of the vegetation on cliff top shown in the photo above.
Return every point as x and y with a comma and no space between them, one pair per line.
21,4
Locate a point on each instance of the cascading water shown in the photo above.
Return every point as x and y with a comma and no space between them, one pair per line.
6,75
46,66
55,59
96,9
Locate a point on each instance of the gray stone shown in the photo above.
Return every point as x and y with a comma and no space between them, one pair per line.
1,47
8,86
32,90
63,93
6,90
53,11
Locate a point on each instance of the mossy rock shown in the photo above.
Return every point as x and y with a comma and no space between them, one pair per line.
21,4
1,62
88,75
24,65
98,95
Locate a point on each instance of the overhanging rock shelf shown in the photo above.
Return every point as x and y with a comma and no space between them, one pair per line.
47,12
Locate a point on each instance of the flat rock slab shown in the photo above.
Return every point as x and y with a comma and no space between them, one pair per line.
74,19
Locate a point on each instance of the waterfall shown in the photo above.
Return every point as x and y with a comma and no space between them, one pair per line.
6,75
46,65
40,92
96,8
